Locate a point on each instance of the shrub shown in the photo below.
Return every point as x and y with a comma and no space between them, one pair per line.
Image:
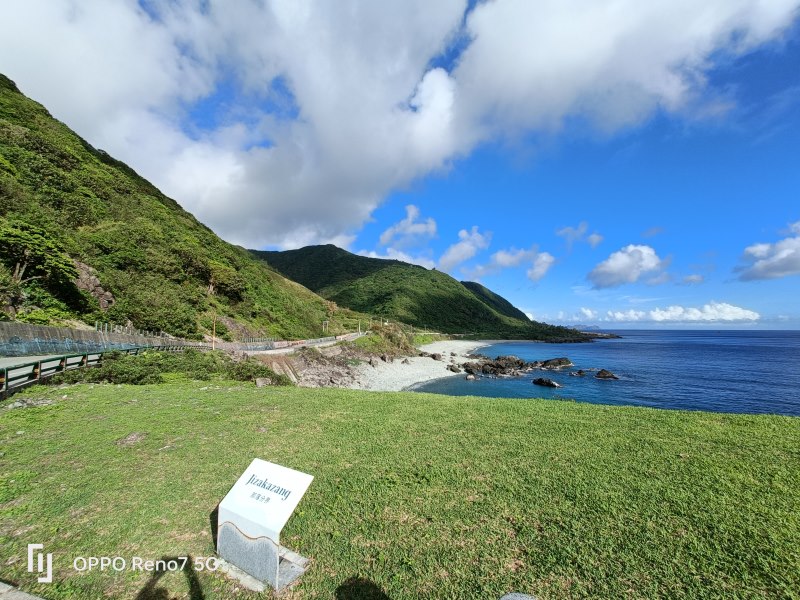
149,367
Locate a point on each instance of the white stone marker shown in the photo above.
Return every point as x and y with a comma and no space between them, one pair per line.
250,520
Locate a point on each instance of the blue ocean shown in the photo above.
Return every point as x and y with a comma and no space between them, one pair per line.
720,371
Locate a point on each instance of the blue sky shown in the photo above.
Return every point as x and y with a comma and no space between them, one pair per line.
619,164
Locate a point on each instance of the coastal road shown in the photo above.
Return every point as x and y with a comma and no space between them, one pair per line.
12,361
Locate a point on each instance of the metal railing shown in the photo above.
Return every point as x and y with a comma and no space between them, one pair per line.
17,376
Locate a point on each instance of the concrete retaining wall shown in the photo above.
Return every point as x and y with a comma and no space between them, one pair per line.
23,339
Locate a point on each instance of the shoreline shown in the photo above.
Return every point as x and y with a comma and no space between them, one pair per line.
396,376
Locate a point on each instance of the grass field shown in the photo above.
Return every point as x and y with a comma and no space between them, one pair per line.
415,496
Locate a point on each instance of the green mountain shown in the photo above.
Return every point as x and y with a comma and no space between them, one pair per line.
408,293
83,237
495,301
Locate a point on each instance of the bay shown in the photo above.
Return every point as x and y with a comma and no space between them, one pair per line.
721,371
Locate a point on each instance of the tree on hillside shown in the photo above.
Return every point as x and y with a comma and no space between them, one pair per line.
224,280
29,253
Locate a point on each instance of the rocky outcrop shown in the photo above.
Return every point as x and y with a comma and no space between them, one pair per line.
603,374
453,368
546,382
502,366
89,281
555,363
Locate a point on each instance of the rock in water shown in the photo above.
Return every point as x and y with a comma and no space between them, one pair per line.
436,356
556,363
603,374
453,368
470,377
546,382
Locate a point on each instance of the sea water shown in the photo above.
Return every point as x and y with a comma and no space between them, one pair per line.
722,371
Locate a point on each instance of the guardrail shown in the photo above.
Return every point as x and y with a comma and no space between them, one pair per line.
18,376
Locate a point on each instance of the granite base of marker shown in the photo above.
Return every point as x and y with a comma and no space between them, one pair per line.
262,561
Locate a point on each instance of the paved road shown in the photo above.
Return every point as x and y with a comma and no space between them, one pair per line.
12,361
10,593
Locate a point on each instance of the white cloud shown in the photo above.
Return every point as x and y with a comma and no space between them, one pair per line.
393,254
361,110
714,311
573,234
711,312
695,278
512,257
626,266
468,245
625,316
771,261
578,234
541,265
530,316
409,230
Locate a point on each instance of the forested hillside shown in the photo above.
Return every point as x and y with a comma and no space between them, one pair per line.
83,237
409,293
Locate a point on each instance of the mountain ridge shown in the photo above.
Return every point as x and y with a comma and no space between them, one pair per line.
408,293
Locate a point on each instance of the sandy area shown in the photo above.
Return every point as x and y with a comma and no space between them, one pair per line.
396,376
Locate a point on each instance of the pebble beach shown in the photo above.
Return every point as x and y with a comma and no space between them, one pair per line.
395,376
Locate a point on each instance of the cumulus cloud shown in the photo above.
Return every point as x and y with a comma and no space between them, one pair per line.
393,254
470,242
627,266
771,261
308,138
711,312
409,230
714,311
541,265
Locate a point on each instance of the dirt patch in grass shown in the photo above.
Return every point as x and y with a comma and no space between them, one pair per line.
131,439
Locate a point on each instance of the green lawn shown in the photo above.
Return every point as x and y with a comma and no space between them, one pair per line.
423,496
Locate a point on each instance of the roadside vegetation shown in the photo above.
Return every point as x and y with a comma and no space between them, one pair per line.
155,367
415,495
